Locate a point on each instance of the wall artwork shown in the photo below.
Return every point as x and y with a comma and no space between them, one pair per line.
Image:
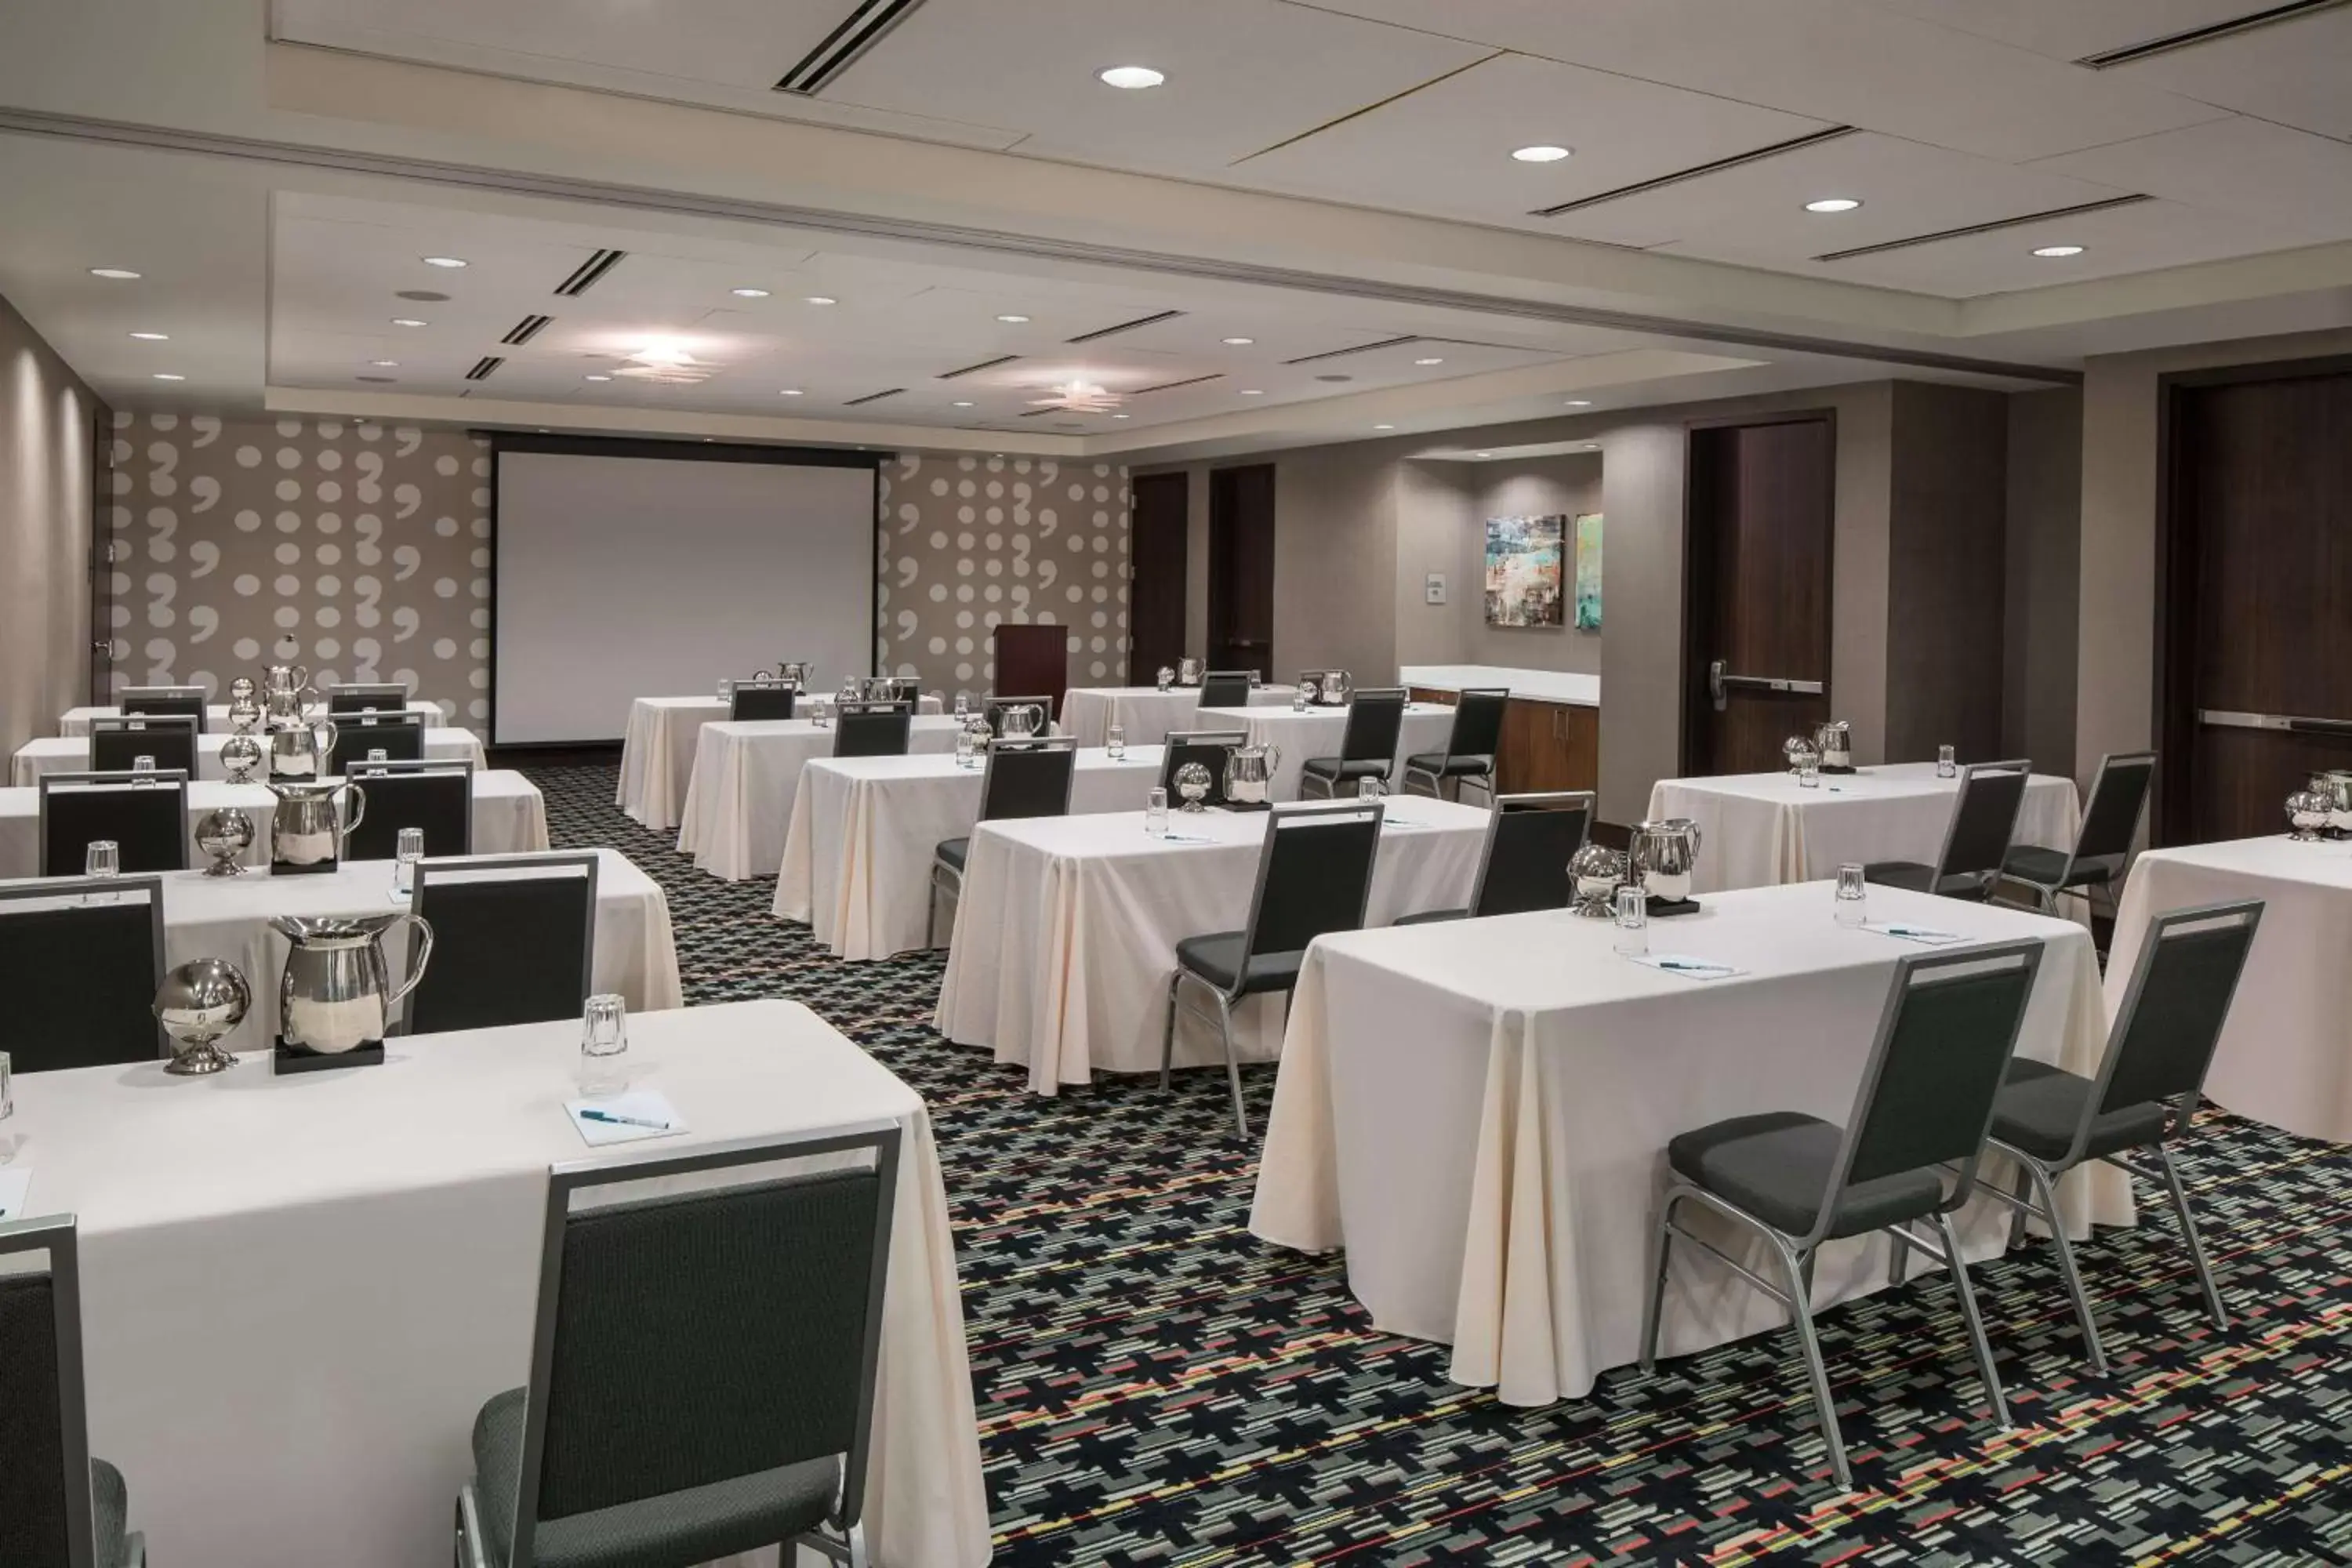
1588,572
1523,571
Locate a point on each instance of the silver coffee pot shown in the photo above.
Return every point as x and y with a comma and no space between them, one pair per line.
1834,741
1249,774
337,992
1188,672
305,830
298,750
1665,854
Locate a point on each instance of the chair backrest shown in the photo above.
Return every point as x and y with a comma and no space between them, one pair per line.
995,706
2118,801
1984,819
1028,778
2170,1022
1207,747
695,1337
401,739
46,1519
81,959
1375,715
164,702
871,729
146,816
1531,838
754,703
386,696
1314,874
1945,1036
117,744
1477,722
513,939
436,796
1225,688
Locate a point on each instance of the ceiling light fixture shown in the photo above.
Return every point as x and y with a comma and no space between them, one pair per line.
1014,320
1832,204
789,392
822,299
596,378
408,322
1132,78
1239,342
452,261
152,337
1078,396
1253,392
748,293
1383,427
1485,454
965,405
1579,403
2055,252
385,363
1122,415
1541,154
117,274
167,376
1429,361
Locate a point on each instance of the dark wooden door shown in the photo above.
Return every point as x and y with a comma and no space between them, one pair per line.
1158,560
1241,569
1757,626
2258,601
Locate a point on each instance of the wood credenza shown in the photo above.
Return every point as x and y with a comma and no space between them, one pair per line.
1546,745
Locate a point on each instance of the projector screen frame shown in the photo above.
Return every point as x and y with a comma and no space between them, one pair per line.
696,451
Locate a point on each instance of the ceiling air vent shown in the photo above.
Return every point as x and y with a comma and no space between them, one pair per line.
483,367
590,272
1172,386
976,369
863,28
1993,228
522,332
2211,33
1359,349
1126,327
873,397
1697,171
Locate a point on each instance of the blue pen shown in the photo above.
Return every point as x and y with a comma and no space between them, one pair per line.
618,1120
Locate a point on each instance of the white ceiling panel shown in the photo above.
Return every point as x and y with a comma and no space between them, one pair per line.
2069,30
2297,72
2286,179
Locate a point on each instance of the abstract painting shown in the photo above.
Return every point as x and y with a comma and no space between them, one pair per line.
1588,572
1523,571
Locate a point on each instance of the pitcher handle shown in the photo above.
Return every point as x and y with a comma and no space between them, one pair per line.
1272,760
416,958
359,808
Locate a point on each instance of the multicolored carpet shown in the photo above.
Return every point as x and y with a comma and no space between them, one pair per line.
1155,1385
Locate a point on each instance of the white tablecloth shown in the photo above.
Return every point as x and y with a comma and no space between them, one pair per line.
745,779
1316,732
1068,931
509,818
864,831
657,754
297,1291
1145,712
1536,1077
70,754
2286,1056
1762,830
76,720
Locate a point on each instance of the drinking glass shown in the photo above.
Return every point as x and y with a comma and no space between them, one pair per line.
102,858
1368,789
408,851
1852,894
378,755
144,766
1298,700
1946,766
963,704
603,1041
1155,812
8,1110
1632,921
964,748
1116,742
726,692
1808,771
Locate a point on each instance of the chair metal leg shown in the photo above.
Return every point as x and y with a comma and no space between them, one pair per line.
1167,1036
2196,1247
1800,1274
1977,1340
2046,1191
2023,1192
1233,1061
1662,1244
1895,1264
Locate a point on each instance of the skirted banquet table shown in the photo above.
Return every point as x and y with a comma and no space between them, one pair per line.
746,777
1145,713
76,720
70,754
297,1291
509,818
1316,733
2285,1056
1067,935
1763,830
657,754
864,831
1536,1075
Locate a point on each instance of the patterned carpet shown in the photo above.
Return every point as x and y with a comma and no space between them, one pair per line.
1157,1387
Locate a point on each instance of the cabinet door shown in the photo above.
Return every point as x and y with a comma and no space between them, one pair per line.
1549,746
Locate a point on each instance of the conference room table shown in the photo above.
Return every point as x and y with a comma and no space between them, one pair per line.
1146,713
2286,1056
297,1291
1536,1075
1316,732
509,818
866,830
746,776
70,754
76,720
1066,938
657,754
1761,830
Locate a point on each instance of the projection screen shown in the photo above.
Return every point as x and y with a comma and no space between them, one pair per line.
626,576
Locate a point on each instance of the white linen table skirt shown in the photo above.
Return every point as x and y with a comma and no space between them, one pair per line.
76,720
1535,1076
1759,830
657,751
1146,712
70,754
1066,938
297,1291
865,832
740,798
2286,1056
1316,732
509,818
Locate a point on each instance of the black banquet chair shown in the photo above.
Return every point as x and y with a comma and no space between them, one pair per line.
514,937
81,958
59,1507
400,739
1210,748
1908,1153
1314,877
871,729
1024,778
2103,846
1531,838
1470,747
702,1369
1367,746
117,744
164,702
145,815
434,797
352,698
1984,819
1227,688
754,701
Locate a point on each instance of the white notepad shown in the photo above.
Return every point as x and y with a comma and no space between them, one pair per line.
15,1182
1684,964
642,1114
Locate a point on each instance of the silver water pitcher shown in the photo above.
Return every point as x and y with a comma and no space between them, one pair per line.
1023,721
337,992
286,691
1834,741
1249,774
306,829
298,750
1188,672
1665,854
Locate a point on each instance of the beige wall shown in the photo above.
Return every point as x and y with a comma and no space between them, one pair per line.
1568,484
49,424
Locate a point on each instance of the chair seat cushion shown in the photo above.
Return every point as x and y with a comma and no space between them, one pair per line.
1901,874
1338,768
110,1504
2040,1105
1450,767
1430,917
1217,959
1776,1167
953,853
692,1526
2047,868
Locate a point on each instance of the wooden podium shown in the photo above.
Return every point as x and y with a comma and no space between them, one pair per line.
1033,661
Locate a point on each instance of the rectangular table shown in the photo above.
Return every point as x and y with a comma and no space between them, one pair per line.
1317,732
1763,830
509,818
1067,935
1145,712
297,1291
70,754
76,720
657,754
2286,1056
746,776
864,830
1535,1076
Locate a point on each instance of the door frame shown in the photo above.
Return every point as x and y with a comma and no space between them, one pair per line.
1693,657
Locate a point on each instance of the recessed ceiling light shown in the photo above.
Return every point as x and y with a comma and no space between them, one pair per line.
2055,251
1132,78
385,363
1592,446
152,337
1122,415
408,322
748,293
1541,154
117,273
822,299
789,392
596,378
1253,392
442,260
167,376
1429,361
1014,320
1579,403
1239,342
1485,453
1383,427
965,405
1832,204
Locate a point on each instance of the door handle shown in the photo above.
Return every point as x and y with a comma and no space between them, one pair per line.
2289,722
1720,684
